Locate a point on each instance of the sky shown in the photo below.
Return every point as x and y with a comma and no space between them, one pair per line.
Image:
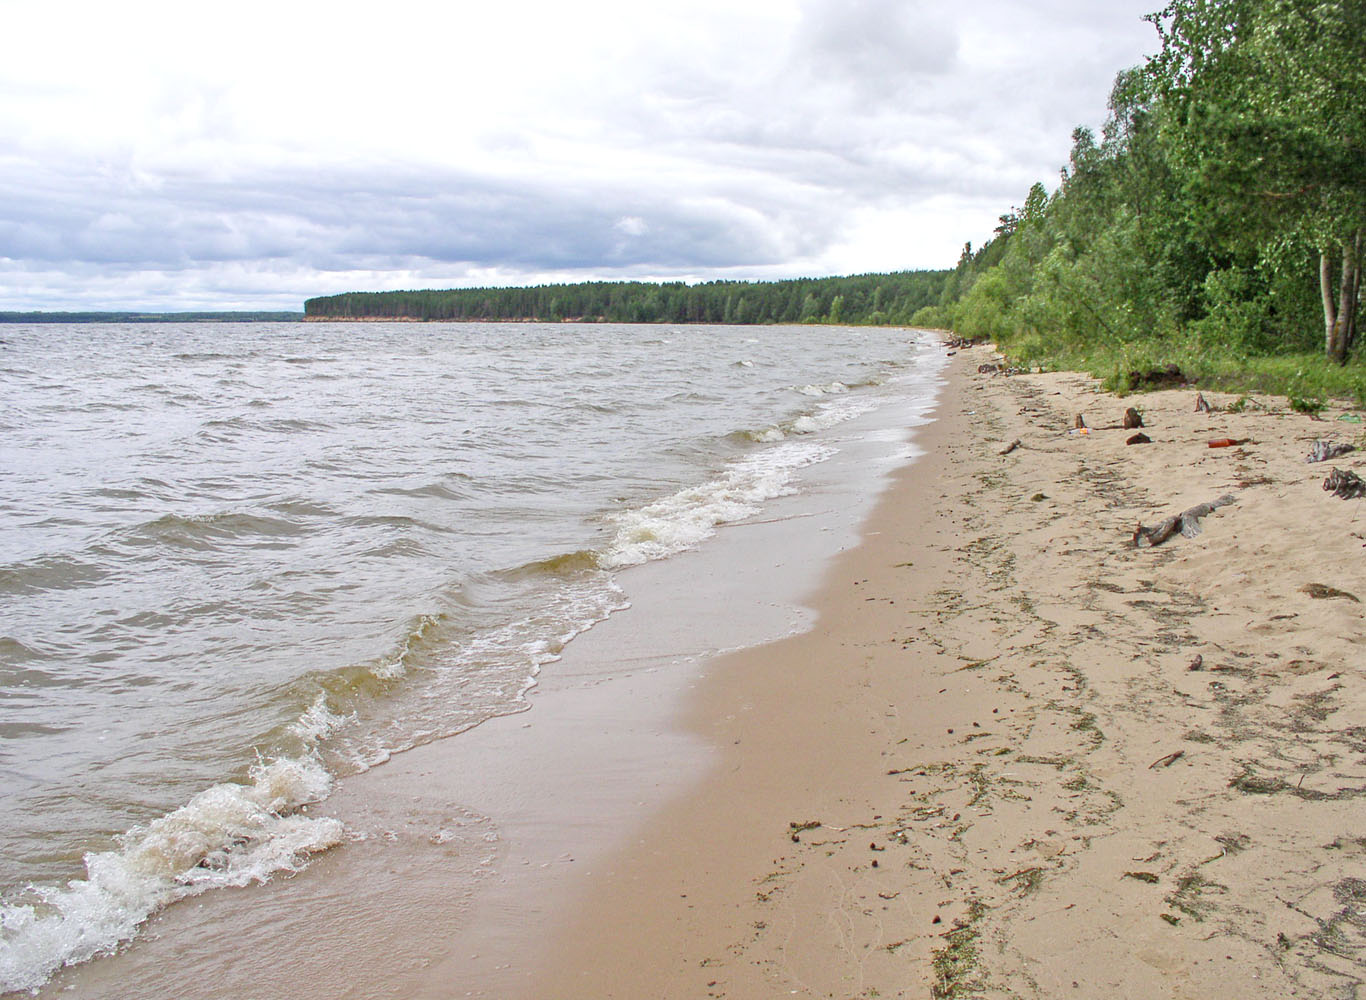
176,156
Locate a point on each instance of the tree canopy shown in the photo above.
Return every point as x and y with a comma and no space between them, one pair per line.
1225,201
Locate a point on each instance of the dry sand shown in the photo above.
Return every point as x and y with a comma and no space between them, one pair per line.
990,770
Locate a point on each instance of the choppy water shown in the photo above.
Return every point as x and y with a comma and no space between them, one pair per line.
239,561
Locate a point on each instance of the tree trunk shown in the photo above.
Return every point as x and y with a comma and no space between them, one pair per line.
1330,309
1340,310
1353,299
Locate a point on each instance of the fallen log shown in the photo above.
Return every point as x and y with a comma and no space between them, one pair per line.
1187,522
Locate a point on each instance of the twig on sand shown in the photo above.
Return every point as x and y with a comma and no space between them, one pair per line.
1168,760
1010,447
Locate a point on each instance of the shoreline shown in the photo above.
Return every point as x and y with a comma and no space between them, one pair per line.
462,854
952,784
995,768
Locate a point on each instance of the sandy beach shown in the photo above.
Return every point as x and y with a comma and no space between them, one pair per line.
1019,756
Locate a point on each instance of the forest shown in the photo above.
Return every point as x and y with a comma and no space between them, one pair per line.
865,298
1217,220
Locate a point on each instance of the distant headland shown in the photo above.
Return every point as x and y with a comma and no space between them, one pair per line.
150,317
891,299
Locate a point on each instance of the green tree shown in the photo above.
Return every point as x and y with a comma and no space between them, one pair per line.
1263,115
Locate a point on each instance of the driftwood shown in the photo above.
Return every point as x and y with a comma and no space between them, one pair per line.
1132,419
1187,522
1345,483
1325,450
1200,405
1168,760
1010,447
1139,438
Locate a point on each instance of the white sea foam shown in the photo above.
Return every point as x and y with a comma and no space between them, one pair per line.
227,835
828,414
396,665
834,388
317,722
689,517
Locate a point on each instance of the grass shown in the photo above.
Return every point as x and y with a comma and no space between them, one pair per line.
1310,381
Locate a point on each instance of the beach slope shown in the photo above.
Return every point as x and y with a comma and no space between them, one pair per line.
1019,755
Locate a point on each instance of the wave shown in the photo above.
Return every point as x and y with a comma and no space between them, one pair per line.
438,490
46,573
828,414
206,356
228,835
562,565
690,516
198,531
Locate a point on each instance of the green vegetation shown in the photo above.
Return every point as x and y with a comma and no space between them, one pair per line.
861,299
1217,223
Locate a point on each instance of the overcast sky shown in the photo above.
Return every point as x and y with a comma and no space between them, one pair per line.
175,156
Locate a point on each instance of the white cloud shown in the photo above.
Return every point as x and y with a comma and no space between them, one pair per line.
163,155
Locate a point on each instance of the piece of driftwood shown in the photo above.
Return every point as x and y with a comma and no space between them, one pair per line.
1187,522
1323,451
1139,438
1196,664
1010,447
1345,483
1132,419
1168,760
1201,406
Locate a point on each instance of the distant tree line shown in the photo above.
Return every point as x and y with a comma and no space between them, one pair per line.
142,317
1221,209
866,298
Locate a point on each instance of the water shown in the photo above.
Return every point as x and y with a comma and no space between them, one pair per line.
238,562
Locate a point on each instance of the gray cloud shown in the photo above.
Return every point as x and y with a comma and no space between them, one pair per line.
745,151
877,48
